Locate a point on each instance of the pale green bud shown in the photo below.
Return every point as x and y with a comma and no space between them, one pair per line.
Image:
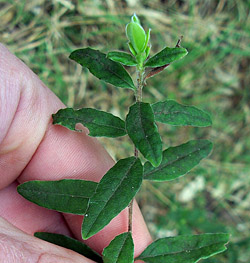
136,34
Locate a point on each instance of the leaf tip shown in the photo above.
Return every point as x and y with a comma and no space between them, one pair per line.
19,189
72,55
156,162
86,235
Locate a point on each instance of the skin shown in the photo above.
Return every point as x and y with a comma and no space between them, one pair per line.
31,148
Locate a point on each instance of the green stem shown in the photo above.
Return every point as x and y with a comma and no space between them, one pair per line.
139,79
138,96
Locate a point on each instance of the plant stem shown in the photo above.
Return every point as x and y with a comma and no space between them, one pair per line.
139,80
130,215
138,96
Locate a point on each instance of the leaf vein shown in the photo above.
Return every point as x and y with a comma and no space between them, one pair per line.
163,112
115,190
143,130
108,68
161,167
91,122
56,194
174,253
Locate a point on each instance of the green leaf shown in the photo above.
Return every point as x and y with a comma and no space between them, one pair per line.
173,113
68,195
132,50
188,249
122,57
69,243
146,43
177,161
142,130
114,193
103,68
120,250
166,56
98,122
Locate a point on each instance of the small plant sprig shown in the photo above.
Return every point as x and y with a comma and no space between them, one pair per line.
101,202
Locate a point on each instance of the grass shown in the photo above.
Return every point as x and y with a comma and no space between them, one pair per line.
214,76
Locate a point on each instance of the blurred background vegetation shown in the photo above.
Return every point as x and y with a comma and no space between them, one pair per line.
215,76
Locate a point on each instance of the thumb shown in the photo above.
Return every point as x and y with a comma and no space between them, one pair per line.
17,246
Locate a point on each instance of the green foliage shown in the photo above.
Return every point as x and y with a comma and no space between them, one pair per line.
122,57
166,56
70,243
142,130
99,123
102,67
171,112
114,192
120,184
120,250
68,195
188,249
179,160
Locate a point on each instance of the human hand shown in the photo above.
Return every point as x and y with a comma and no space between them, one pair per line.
31,148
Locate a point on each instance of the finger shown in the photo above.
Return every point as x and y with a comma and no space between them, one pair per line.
25,110
46,152
17,246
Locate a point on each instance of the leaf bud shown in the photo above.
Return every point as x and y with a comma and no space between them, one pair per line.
136,34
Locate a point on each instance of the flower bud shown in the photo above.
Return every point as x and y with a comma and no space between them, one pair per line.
136,34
